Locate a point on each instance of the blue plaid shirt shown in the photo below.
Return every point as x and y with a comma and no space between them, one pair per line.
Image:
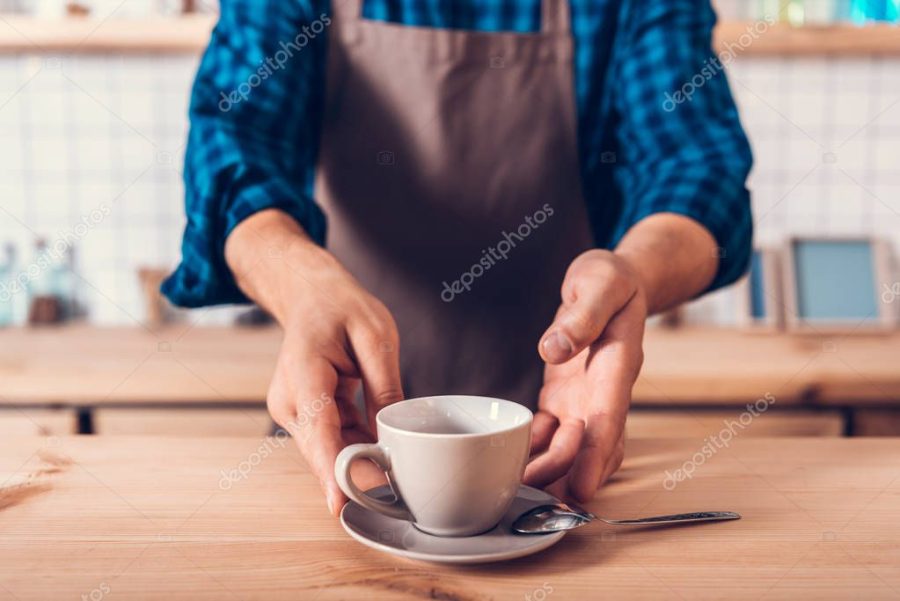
650,141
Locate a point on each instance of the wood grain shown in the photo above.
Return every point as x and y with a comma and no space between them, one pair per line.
183,421
80,365
37,421
100,366
876,422
781,39
146,518
699,423
185,34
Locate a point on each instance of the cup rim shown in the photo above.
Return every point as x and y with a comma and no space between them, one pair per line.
529,417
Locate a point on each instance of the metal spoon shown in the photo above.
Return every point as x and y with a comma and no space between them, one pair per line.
553,518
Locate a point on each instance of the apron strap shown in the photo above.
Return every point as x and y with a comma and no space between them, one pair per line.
346,10
555,17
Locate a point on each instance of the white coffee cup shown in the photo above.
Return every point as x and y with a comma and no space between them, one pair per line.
454,462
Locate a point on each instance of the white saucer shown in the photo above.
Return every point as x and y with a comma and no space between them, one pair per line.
399,537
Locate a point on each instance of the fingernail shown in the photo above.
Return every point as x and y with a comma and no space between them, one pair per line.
557,347
329,498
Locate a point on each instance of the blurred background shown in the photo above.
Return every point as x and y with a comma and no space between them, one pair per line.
93,106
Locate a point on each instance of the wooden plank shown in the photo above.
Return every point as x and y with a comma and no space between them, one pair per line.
181,421
35,421
876,422
185,34
190,34
97,366
781,39
683,367
717,366
146,518
701,423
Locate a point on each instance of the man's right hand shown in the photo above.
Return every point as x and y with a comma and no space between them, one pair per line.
336,337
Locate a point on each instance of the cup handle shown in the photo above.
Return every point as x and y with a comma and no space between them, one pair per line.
396,509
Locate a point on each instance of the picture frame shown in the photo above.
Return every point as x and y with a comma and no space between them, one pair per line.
817,268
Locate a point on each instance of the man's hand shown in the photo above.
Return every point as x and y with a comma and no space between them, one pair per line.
336,337
593,353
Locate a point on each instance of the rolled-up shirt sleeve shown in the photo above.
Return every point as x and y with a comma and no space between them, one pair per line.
679,134
255,114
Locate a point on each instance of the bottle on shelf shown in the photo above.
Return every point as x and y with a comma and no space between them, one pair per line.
44,304
7,286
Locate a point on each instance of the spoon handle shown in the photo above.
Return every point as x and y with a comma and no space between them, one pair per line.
699,516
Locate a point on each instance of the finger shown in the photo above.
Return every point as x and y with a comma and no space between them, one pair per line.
614,462
615,364
316,425
563,449
364,473
345,397
542,429
379,366
590,299
375,344
598,446
559,489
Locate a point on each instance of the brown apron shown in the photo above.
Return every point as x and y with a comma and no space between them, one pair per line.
448,170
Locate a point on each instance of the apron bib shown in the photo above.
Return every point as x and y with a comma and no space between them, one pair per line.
449,173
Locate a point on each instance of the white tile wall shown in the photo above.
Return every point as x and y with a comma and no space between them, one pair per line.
80,131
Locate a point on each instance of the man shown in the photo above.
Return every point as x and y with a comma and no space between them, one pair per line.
476,161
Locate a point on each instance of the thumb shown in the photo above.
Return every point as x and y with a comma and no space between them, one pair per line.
580,321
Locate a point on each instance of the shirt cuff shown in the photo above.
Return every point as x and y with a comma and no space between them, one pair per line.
203,278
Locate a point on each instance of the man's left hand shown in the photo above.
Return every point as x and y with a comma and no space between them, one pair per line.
594,353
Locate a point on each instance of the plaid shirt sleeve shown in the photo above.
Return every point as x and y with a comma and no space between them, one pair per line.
252,142
682,143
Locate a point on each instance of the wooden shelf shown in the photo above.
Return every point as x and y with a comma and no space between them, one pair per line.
760,39
190,34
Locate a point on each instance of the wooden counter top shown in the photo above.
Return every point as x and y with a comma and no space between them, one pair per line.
80,365
147,519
